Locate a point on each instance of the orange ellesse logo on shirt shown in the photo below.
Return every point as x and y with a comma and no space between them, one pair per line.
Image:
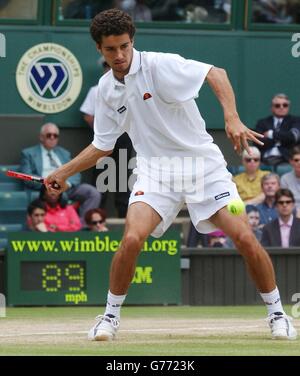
147,96
139,193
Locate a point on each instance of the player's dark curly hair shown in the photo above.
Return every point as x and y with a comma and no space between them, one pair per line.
111,22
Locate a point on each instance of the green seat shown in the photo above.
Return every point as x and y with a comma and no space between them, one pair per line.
13,216
10,227
13,201
13,206
12,187
3,243
32,195
283,169
267,168
235,170
3,177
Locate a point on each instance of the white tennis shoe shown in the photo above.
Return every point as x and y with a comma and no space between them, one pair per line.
281,326
105,329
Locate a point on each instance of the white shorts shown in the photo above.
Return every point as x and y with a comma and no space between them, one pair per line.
218,191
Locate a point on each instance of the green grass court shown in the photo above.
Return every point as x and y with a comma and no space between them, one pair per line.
168,331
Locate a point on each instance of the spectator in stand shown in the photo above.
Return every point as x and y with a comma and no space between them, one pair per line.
36,212
84,9
283,231
254,222
138,10
88,106
270,184
281,131
209,11
46,157
194,238
293,9
249,182
165,10
271,11
59,215
95,219
216,239
291,180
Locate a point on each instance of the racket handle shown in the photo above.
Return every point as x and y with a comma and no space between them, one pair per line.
54,185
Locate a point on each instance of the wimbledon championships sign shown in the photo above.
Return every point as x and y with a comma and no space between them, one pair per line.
49,78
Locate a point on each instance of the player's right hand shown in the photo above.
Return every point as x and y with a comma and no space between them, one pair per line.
239,135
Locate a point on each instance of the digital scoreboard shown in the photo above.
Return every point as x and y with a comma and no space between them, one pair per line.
73,269
53,276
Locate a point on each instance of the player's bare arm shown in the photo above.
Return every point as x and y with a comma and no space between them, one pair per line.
89,119
84,160
236,131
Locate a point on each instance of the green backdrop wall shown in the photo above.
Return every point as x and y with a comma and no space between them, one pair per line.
259,64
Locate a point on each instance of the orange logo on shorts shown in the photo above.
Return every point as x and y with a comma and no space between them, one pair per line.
139,193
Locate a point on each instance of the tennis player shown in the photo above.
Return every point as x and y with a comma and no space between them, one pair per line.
151,96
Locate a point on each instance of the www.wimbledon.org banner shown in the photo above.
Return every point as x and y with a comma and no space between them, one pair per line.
73,269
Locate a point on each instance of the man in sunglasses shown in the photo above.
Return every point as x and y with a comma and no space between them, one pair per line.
283,231
249,182
46,157
281,131
291,180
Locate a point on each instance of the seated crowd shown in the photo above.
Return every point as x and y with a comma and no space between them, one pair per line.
51,212
208,11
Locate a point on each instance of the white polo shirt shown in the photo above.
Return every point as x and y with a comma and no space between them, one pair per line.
156,107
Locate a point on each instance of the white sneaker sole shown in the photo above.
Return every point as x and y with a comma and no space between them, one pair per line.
284,337
104,336
281,338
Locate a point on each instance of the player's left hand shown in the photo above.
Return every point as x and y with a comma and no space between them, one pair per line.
239,135
56,182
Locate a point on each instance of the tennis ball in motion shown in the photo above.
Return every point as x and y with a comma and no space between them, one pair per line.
236,207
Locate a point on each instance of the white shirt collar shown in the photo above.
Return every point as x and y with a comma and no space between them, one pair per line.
134,67
288,223
44,150
136,62
278,119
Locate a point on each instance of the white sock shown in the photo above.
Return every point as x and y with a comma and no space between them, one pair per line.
272,301
113,305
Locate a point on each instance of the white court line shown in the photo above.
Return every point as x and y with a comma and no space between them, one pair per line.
134,331
193,329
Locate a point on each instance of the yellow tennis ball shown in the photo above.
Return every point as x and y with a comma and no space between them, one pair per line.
236,207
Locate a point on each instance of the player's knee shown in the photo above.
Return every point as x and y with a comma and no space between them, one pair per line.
246,243
132,242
